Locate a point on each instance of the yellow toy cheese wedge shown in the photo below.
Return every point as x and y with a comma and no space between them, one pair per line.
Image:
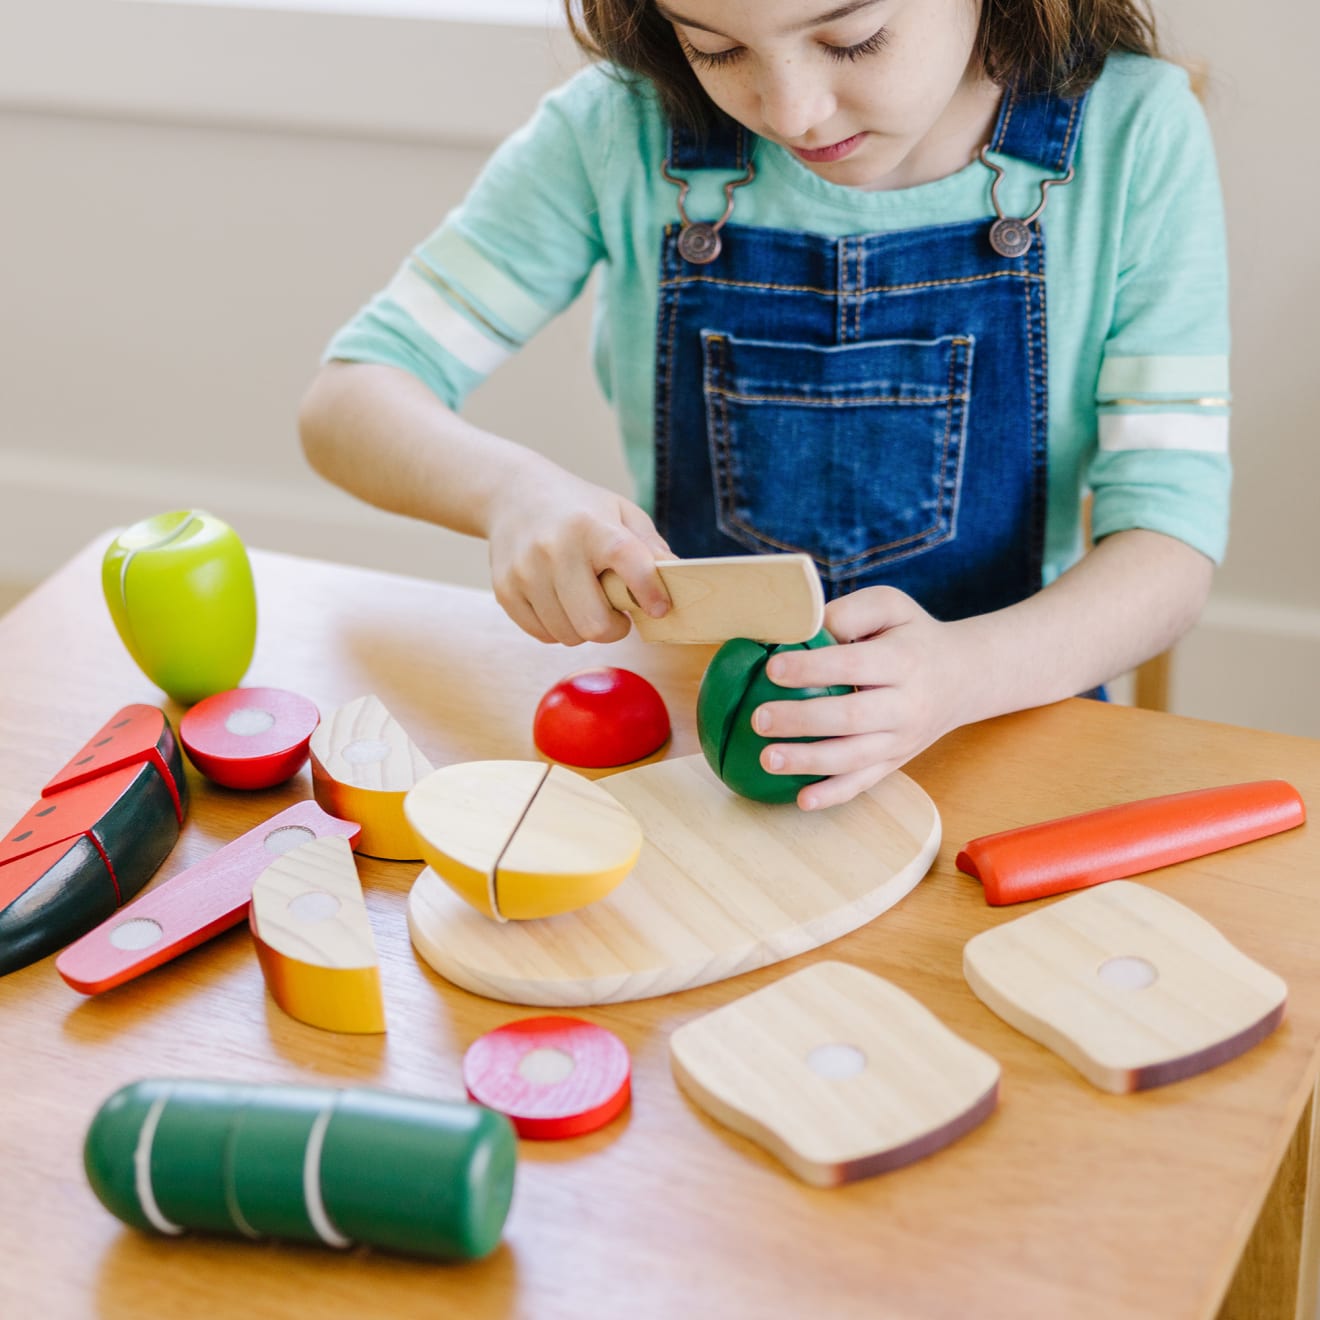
520,839
313,938
363,765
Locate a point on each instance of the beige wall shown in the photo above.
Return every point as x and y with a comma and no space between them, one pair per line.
177,249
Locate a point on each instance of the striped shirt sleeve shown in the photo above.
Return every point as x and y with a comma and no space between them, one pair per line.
1162,399
502,265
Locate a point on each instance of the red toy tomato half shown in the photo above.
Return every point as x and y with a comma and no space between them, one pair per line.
600,717
249,738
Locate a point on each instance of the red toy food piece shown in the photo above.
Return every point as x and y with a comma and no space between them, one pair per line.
64,816
550,1076
130,736
1072,852
191,906
600,717
249,737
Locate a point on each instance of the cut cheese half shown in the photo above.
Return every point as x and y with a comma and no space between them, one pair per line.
313,938
519,839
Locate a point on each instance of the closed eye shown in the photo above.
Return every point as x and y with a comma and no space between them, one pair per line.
877,41
708,59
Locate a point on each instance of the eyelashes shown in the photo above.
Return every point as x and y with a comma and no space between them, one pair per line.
839,54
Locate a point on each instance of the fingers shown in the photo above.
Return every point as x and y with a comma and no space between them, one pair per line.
641,526
836,756
827,717
633,557
842,788
868,612
559,598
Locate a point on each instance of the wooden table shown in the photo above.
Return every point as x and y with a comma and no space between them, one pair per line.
1067,1203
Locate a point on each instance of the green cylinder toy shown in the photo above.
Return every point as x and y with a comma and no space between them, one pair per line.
431,1178
733,686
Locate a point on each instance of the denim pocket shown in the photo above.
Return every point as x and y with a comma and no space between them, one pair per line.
852,453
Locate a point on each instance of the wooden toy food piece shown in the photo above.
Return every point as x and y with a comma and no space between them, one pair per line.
430,1178
836,1072
770,598
363,764
192,906
1129,986
313,938
723,885
551,1077
249,737
179,589
1072,852
600,717
732,687
132,736
518,839
82,849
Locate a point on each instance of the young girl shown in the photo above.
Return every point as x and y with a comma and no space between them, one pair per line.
888,281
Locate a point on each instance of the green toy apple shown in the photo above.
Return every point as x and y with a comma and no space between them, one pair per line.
733,686
179,587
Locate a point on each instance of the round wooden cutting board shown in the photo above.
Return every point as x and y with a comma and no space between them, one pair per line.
723,886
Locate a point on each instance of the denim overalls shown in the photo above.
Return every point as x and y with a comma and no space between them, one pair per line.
877,401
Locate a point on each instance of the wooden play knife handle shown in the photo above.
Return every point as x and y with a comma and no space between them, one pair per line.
617,593
1073,852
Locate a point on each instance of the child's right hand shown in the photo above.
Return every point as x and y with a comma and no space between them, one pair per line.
551,536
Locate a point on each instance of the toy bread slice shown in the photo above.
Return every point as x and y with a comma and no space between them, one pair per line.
769,598
363,765
836,1072
1075,851
1128,985
314,943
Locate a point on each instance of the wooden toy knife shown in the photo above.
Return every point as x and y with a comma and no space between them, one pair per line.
767,598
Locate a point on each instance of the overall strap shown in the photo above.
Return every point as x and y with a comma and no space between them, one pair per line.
1041,129
727,145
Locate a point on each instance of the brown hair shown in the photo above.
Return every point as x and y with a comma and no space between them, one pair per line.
1036,45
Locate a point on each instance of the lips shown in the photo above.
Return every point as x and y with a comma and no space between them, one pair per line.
835,152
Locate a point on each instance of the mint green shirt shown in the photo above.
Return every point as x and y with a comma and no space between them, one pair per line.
1136,282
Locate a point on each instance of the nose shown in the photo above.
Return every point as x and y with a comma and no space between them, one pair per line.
794,101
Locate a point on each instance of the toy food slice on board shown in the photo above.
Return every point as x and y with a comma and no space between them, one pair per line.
519,839
768,598
192,906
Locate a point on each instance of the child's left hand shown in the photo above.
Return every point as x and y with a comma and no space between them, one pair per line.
911,678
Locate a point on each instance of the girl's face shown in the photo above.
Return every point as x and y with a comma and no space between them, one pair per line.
868,93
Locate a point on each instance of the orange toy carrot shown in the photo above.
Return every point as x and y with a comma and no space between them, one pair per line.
1054,856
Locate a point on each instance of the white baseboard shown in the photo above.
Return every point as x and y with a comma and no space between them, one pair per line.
52,513
1247,662
1251,663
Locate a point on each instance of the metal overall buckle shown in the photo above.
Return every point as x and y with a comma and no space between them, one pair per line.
1009,236
699,240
